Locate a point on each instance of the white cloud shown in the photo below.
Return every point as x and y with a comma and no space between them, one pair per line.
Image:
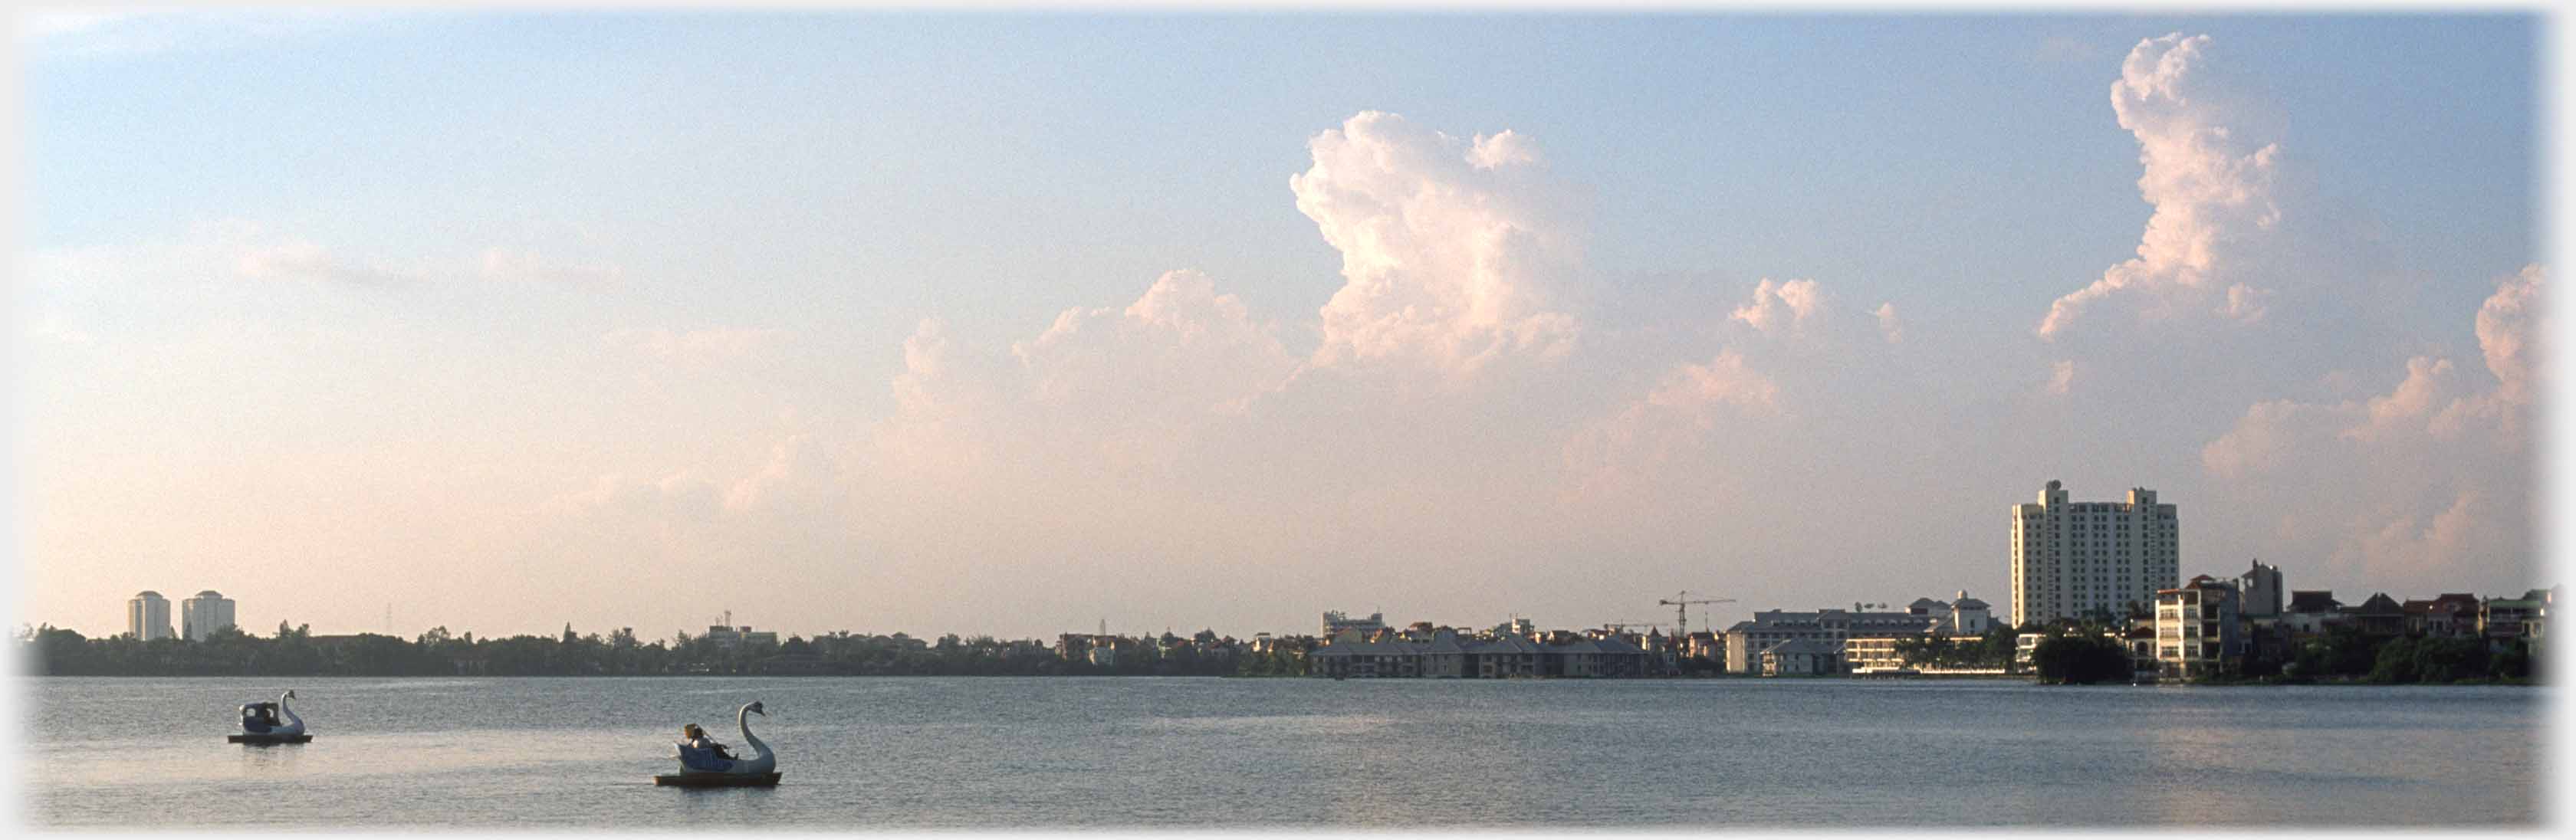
2510,325
2212,188
2061,377
1450,252
246,250
1100,388
2428,478
1679,415
228,250
799,473
70,33
1889,326
1781,306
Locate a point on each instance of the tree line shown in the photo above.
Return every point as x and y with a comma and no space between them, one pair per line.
294,651
2343,653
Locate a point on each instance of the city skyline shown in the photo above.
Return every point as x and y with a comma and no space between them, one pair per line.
1006,324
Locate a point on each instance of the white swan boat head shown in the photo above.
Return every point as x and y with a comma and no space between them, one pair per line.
698,761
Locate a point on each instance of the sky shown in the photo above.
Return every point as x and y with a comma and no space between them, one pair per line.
1018,324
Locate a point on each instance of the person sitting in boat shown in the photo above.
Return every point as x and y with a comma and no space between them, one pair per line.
695,738
259,717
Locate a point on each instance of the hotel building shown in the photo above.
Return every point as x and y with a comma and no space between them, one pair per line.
2078,559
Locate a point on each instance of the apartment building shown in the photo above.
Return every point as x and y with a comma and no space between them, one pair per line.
2073,560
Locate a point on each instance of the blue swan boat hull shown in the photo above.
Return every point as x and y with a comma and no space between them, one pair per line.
718,780
267,739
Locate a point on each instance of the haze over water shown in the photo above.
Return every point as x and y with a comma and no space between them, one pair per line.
1051,752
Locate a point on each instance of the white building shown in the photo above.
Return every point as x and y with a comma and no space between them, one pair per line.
2197,631
201,616
2078,559
147,616
1335,621
1963,617
730,638
1746,641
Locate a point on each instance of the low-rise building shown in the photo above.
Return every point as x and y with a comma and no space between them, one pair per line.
2312,611
1448,654
1747,640
2380,615
1875,655
2198,632
1803,657
2505,619
2452,614
730,638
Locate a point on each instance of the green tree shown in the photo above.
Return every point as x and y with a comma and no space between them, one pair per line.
2396,662
2080,658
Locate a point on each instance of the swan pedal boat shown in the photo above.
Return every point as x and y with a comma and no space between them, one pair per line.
271,723
700,769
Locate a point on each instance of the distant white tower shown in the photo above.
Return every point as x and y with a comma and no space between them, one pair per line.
147,616
201,616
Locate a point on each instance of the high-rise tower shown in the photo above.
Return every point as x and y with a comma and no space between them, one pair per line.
201,616
2081,559
147,616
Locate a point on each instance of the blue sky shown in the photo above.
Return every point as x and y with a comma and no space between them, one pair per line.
488,269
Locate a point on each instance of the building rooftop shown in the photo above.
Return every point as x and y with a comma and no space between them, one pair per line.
2379,604
2314,601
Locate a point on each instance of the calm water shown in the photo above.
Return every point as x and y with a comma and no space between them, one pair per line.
926,752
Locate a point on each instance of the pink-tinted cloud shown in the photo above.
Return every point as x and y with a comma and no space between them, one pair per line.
2212,188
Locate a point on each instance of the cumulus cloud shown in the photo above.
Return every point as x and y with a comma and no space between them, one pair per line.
1777,306
799,473
2509,326
1451,257
1889,327
2213,190
2061,377
1102,386
1677,416
2429,474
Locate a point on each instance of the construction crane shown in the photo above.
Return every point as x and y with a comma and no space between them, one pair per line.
1681,610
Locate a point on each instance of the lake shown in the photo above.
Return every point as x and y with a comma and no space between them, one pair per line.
922,752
